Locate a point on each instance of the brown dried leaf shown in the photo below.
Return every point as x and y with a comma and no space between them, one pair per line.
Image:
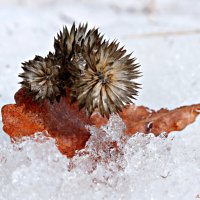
144,120
66,123
63,121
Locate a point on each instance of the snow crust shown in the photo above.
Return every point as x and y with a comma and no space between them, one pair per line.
165,37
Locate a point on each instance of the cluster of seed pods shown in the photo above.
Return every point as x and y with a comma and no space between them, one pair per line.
97,73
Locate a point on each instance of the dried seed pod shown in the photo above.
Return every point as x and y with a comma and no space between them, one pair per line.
64,44
68,50
69,44
41,78
107,83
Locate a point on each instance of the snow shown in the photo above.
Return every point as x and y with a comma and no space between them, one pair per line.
144,167
165,37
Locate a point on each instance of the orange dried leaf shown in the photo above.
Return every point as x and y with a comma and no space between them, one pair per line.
145,120
66,123
63,121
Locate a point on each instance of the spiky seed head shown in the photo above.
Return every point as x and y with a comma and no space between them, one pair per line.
68,50
64,43
41,78
107,83
69,42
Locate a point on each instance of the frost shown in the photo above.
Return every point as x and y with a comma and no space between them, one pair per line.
111,166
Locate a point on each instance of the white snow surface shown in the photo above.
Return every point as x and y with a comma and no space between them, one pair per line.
165,37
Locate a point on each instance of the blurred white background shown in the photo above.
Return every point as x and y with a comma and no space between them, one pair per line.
163,34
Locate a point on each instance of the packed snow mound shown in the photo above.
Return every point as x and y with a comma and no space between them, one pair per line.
111,166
